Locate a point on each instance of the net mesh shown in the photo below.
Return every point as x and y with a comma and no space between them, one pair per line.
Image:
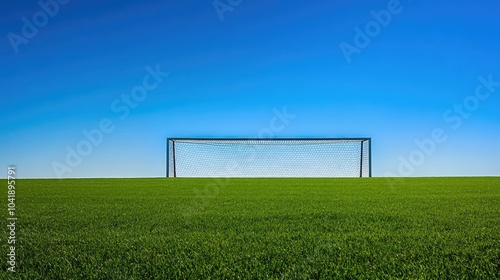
268,158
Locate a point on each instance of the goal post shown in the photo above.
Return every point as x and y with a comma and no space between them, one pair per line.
269,157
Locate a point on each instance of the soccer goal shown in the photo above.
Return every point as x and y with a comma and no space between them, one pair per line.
276,157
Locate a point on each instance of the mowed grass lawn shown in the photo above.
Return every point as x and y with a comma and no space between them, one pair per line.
372,228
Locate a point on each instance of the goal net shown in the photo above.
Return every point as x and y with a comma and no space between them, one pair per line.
333,157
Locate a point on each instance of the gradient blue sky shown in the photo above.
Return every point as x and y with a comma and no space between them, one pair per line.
227,76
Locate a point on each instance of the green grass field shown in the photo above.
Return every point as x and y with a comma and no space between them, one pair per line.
418,228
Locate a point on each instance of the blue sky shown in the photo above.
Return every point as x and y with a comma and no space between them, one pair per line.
412,70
